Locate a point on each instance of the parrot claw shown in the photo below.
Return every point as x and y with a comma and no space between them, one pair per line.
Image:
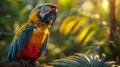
33,64
24,63
28,63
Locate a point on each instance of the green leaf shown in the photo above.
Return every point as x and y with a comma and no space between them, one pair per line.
82,60
68,24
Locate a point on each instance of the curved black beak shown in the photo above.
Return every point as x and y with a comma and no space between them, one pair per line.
50,17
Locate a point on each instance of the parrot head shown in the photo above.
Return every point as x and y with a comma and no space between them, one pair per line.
44,13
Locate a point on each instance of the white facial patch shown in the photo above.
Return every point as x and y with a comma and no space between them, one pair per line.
44,11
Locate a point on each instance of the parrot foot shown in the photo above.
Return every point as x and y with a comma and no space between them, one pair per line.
24,63
33,64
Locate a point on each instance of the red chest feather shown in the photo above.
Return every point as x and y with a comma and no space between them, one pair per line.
30,53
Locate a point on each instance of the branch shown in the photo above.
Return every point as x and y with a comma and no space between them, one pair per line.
17,64
113,20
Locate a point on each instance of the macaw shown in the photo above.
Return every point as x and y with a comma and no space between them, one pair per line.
31,39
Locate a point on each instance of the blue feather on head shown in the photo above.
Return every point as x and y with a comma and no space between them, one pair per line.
38,6
48,16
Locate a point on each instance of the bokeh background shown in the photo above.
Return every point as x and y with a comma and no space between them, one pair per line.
82,26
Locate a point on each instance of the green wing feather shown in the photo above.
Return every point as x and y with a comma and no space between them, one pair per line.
19,41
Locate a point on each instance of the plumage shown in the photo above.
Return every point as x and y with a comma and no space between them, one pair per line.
19,41
32,37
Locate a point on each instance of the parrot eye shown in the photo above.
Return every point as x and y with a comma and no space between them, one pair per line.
47,14
45,9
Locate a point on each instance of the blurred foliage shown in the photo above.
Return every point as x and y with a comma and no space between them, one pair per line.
84,24
88,25
81,26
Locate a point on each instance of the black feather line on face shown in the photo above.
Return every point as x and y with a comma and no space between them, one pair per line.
51,16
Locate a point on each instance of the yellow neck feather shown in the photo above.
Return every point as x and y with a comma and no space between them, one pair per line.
34,18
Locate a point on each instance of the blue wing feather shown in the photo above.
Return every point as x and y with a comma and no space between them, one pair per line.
44,46
18,45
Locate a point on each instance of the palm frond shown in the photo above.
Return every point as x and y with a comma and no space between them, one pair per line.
82,60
